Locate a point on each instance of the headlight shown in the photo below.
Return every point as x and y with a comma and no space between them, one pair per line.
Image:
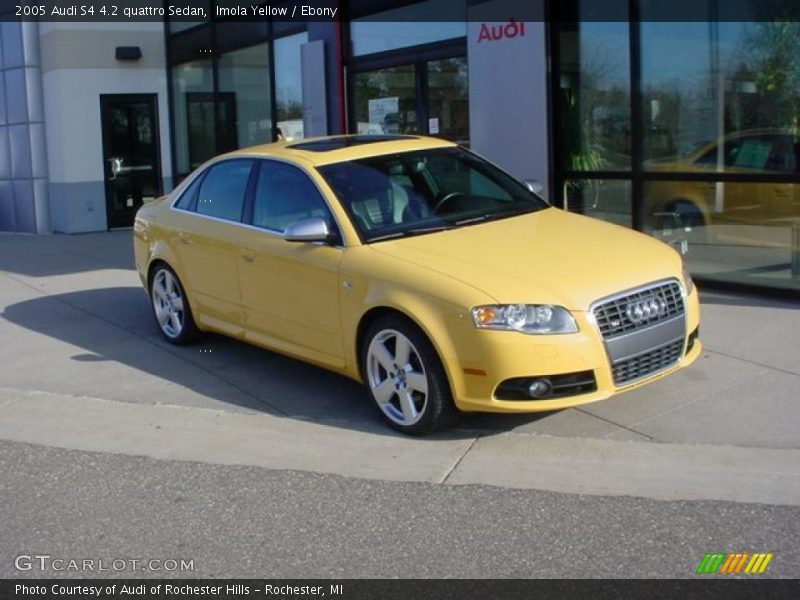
687,280
527,318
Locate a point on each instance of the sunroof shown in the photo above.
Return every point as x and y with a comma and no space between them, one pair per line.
347,141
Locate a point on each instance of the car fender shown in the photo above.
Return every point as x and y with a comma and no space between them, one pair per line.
442,311
439,323
160,251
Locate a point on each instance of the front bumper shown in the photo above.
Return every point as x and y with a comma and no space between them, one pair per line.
496,356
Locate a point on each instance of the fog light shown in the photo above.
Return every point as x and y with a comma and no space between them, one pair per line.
538,388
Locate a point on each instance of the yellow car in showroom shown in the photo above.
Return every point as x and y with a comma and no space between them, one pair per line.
683,211
420,269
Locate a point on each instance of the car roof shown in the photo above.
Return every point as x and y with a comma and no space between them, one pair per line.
320,151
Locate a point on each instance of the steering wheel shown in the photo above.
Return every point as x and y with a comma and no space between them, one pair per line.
445,199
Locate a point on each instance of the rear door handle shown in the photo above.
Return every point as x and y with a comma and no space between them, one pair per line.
183,237
248,255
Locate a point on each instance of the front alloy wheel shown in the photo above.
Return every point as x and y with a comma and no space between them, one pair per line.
170,307
405,377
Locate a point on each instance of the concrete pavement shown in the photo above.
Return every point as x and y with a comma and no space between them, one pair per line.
83,367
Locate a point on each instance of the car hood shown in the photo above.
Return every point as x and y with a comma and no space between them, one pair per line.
547,257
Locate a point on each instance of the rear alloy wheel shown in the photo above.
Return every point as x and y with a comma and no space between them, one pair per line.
171,308
406,377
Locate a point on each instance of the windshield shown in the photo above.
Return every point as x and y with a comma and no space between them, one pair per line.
413,193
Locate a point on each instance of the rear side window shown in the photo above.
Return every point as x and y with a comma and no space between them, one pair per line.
222,191
189,194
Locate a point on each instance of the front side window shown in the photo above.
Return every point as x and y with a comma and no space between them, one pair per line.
412,193
222,192
283,195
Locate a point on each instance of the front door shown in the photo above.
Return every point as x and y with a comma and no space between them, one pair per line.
131,161
290,290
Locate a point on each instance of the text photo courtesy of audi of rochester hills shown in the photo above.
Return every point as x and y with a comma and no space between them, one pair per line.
417,299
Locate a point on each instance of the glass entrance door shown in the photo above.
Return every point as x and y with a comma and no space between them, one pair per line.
448,105
428,98
132,165
386,101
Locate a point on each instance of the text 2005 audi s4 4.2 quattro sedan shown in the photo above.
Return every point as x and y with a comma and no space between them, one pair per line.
419,268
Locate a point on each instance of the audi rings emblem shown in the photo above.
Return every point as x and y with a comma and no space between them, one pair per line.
646,309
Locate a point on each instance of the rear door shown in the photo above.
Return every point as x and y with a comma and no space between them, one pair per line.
207,237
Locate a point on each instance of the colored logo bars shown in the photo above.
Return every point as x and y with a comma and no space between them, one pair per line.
735,562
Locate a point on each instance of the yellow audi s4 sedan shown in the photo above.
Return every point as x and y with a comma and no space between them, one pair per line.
419,268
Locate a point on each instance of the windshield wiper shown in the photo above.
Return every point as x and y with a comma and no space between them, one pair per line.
410,232
490,217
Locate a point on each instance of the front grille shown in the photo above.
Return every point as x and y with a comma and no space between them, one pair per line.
647,363
611,316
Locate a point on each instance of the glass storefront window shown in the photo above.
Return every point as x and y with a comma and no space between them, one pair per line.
385,101
746,233
724,97
193,115
593,97
448,99
289,84
606,199
720,96
719,135
243,102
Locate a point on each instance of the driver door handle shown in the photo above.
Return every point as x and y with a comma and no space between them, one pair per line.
183,237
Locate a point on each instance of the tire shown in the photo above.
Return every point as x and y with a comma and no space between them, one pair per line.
405,376
170,306
680,224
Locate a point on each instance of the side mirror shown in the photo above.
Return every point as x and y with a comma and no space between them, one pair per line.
314,229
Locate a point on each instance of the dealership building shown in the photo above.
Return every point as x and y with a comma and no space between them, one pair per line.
688,131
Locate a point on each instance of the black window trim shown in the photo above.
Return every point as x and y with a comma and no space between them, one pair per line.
246,219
